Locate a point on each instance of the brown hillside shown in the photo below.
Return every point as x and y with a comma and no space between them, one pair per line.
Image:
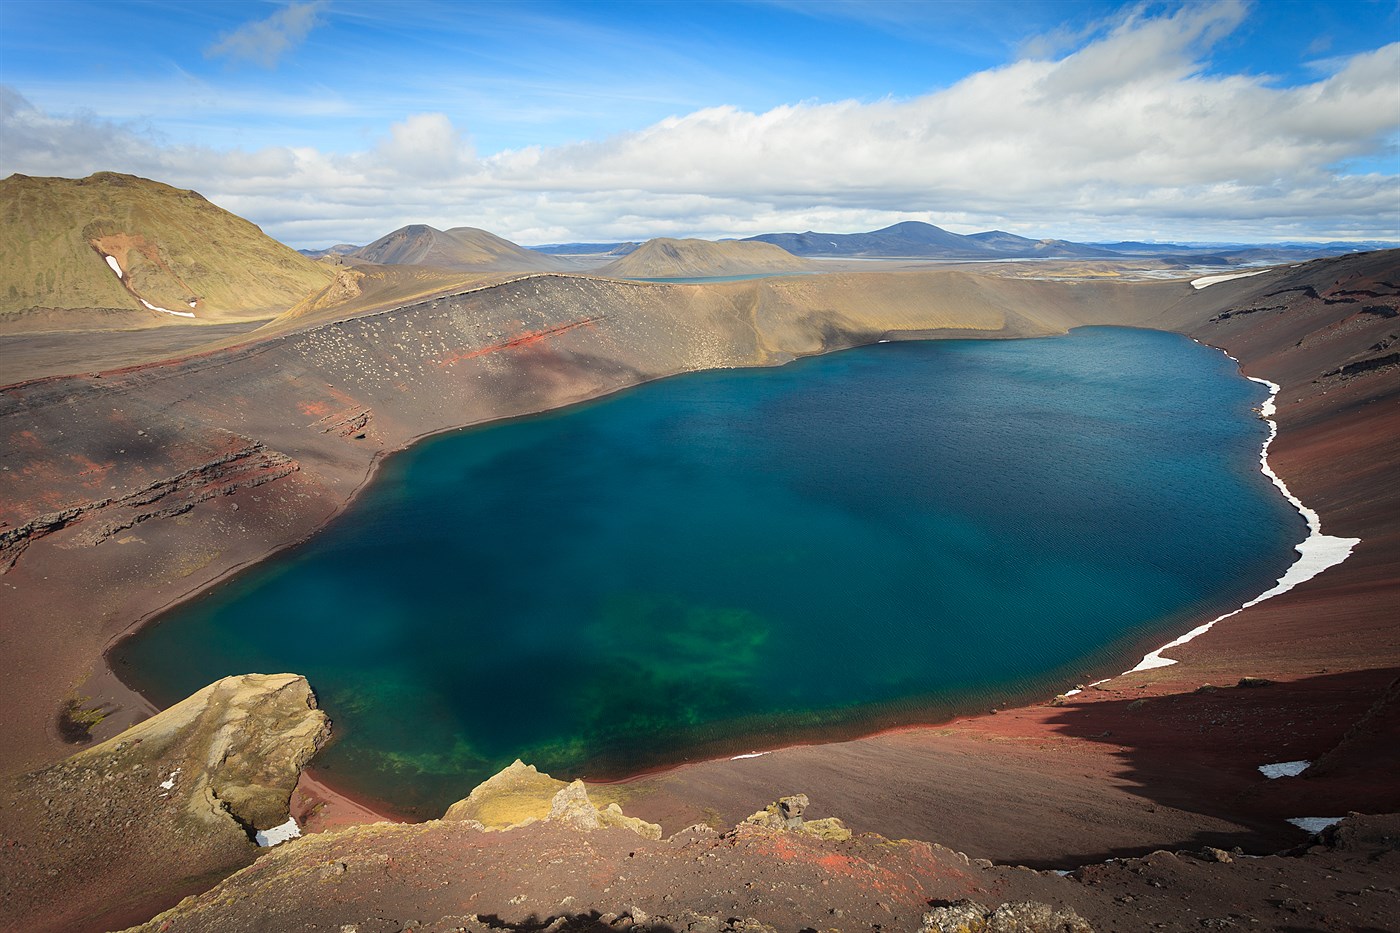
176,251
461,248
666,258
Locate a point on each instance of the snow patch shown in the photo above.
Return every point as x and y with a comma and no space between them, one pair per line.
1316,552
116,267
166,310
278,834
1206,281
749,755
1284,769
169,782
1315,824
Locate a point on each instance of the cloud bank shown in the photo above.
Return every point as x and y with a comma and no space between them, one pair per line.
1131,135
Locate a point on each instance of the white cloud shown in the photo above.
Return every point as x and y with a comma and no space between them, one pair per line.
425,146
265,41
1129,136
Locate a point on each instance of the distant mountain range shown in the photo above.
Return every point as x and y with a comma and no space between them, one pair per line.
471,249
114,250
918,240
339,249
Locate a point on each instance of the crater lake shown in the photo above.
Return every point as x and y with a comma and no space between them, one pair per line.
728,561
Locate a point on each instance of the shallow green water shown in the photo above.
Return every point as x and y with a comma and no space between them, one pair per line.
725,561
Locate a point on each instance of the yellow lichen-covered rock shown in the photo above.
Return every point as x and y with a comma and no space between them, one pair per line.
234,749
828,828
174,801
515,796
785,813
572,806
520,795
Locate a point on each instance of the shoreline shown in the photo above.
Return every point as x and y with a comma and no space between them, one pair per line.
351,806
1316,553
318,806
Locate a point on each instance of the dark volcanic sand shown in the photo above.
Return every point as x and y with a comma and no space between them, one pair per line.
34,356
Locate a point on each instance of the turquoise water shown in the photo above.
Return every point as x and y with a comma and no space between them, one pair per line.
731,560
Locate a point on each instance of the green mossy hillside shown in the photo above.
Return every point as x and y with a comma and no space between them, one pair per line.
176,250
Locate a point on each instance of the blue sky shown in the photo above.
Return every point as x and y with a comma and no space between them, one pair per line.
342,119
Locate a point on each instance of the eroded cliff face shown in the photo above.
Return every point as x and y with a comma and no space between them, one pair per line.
159,810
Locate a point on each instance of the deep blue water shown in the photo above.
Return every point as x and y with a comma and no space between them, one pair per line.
727,560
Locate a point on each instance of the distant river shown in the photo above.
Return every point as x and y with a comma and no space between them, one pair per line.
728,561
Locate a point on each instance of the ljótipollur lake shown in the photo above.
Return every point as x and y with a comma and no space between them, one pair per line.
731,560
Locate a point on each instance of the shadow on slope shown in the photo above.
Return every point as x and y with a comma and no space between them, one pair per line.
1201,751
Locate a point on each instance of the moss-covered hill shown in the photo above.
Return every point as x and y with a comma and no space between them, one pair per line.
176,251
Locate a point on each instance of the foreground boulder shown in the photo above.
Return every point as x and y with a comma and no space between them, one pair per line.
514,796
572,807
520,795
787,814
1025,917
122,829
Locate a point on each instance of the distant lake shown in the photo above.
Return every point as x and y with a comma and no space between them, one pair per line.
727,561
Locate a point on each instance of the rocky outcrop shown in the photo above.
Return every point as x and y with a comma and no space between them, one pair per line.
515,796
520,795
1025,917
786,814
147,816
244,467
352,424
572,807
238,746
